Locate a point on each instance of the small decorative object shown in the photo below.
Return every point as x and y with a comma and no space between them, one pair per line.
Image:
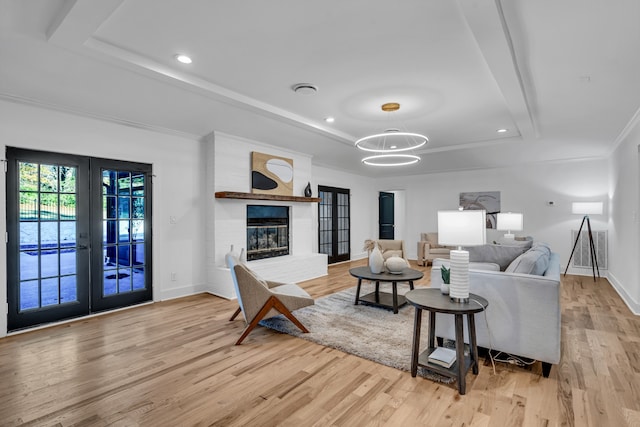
395,264
243,256
446,274
307,190
231,253
376,261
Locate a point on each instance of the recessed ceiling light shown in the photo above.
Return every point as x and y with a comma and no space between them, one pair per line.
184,59
329,119
502,130
305,88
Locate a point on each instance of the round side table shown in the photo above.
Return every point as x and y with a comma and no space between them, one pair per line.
434,301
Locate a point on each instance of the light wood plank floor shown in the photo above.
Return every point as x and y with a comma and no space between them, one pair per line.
174,364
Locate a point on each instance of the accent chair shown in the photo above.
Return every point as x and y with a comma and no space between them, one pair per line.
260,299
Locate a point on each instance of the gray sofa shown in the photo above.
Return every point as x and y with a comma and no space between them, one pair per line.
523,316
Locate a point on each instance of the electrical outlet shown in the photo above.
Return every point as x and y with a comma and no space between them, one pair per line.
173,276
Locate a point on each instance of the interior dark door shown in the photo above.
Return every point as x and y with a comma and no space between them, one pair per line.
334,228
386,217
48,237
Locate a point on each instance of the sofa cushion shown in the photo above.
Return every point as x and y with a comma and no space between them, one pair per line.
534,261
439,251
503,255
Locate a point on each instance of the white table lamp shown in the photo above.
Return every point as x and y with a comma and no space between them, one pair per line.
510,222
461,228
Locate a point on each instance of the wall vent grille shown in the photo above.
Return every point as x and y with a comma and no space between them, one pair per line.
581,257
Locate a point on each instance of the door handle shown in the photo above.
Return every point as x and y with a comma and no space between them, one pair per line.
83,247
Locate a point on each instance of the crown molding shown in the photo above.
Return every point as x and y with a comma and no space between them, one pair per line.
16,99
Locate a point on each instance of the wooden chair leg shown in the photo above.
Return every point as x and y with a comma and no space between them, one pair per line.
275,303
284,310
235,314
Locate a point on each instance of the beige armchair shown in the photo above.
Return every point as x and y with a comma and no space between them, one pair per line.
429,249
260,299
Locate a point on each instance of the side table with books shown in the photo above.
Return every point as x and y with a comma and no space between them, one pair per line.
447,362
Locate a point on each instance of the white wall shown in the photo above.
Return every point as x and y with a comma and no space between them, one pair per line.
526,189
177,185
624,233
364,204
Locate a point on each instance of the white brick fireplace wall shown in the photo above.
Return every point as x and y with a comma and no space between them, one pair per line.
226,222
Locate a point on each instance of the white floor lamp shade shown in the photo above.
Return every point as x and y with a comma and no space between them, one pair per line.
587,208
461,228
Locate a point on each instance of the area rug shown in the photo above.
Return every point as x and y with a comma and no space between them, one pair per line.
366,331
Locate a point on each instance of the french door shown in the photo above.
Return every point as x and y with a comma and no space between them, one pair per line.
78,236
334,228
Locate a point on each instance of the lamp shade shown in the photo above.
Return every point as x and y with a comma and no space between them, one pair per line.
510,221
587,208
462,228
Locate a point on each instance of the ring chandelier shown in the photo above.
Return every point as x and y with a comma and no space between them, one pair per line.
391,160
388,144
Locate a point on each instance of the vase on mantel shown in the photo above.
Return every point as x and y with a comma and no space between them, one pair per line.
231,254
376,261
243,256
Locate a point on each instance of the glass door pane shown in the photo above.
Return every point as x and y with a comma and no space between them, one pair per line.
47,269
124,234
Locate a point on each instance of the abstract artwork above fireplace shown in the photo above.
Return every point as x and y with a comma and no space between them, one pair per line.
271,174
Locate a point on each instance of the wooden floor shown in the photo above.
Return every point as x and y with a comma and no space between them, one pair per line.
174,364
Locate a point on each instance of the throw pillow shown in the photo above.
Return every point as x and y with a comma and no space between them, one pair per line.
432,238
389,253
502,255
525,242
534,261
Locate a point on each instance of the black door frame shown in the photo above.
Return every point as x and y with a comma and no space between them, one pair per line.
335,255
386,229
17,319
89,239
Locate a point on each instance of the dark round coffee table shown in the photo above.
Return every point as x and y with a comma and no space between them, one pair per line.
384,299
435,302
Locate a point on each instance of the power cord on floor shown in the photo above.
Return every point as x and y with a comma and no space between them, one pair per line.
502,356
484,312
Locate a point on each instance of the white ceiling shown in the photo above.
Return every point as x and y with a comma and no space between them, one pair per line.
561,76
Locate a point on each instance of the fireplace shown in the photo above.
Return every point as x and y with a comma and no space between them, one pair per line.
267,231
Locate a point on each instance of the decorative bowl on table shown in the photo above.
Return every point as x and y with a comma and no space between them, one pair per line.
395,264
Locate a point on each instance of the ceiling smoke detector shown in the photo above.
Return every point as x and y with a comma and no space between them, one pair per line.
305,89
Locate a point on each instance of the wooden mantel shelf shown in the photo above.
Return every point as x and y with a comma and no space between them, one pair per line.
252,196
